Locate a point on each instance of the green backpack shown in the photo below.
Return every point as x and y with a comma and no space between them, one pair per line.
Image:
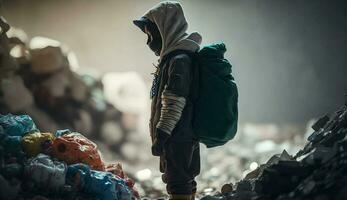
215,106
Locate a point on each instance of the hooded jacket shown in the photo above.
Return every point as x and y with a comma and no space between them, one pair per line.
172,108
172,25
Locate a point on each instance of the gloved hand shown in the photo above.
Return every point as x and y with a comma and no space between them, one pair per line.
159,142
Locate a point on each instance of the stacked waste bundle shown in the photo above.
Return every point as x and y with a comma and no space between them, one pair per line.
37,78
318,171
63,165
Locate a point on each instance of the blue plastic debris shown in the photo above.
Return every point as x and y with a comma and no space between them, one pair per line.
17,125
62,132
103,185
11,144
13,127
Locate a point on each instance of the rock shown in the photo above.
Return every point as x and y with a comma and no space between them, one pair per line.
13,87
83,122
79,91
244,185
320,123
227,188
315,172
111,133
57,84
47,60
213,198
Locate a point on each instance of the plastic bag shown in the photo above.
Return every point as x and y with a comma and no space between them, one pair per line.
103,185
45,172
8,190
11,144
36,143
12,170
17,125
116,169
75,148
62,132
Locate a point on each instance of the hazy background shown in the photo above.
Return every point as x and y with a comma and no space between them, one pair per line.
289,56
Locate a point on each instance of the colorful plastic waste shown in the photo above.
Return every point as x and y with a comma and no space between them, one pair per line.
116,169
36,143
75,148
17,125
12,170
2,160
8,191
89,175
11,144
62,132
104,185
45,172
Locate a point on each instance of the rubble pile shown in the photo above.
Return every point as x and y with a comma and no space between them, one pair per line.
37,78
318,171
63,165
254,143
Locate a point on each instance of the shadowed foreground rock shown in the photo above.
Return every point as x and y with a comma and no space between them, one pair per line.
318,171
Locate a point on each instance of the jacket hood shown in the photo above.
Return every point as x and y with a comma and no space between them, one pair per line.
172,25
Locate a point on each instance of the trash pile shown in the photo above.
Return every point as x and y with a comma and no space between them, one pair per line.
38,78
318,171
63,165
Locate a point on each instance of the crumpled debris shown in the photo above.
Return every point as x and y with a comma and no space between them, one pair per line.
75,148
17,125
36,143
103,185
12,170
13,128
8,190
45,172
11,144
33,174
318,171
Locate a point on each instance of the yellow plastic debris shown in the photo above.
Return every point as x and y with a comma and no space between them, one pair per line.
36,143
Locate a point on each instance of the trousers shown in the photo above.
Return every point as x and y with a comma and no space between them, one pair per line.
180,164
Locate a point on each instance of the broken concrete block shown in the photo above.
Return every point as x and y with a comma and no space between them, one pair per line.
320,123
47,60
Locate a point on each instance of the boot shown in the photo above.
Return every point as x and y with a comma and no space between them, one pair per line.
192,197
180,197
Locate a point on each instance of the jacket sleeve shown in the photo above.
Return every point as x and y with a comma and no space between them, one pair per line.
176,91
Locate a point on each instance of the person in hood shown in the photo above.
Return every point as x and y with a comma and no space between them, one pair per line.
172,92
